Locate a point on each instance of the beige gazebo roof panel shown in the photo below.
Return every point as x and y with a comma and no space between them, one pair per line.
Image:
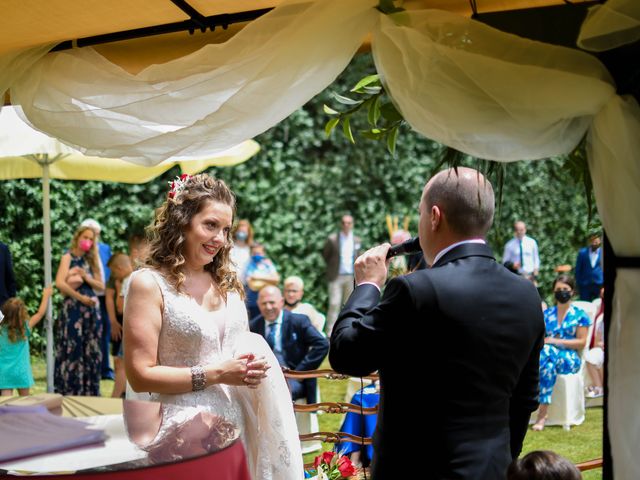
27,23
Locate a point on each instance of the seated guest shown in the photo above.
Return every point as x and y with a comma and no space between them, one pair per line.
543,465
594,358
295,342
260,272
293,292
355,424
566,334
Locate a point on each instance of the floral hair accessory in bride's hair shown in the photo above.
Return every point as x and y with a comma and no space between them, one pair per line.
178,185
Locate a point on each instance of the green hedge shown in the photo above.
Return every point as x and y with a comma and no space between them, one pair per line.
294,192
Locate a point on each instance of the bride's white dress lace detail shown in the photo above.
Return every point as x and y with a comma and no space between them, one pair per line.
190,336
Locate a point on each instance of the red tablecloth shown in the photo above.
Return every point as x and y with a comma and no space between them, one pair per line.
228,464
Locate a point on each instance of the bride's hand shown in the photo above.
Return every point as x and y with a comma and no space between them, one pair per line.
243,370
233,371
256,371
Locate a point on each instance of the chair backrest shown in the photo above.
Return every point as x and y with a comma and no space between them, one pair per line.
590,308
330,407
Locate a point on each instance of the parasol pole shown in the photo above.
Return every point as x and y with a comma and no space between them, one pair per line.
46,220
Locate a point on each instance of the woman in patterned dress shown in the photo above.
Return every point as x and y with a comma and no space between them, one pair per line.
79,328
566,335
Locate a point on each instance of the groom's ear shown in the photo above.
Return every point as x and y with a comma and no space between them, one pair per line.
435,217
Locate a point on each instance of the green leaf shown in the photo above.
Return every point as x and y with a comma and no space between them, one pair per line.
330,125
372,90
372,135
366,81
390,113
373,115
329,111
346,100
391,140
346,128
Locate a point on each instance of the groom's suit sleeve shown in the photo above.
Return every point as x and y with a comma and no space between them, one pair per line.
361,335
524,399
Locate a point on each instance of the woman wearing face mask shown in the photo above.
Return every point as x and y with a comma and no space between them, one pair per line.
566,334
241,251
260,272
79,328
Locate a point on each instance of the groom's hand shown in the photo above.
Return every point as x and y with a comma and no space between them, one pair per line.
372,266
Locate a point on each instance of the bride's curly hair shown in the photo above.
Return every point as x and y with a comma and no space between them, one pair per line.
166,234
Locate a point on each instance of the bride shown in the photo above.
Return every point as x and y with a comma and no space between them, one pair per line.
187,340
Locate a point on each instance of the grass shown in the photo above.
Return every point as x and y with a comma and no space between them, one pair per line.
39,368
581,443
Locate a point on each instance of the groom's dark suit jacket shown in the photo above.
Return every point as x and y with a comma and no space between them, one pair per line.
303,347
470,332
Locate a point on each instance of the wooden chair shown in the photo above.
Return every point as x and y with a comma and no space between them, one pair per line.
589,465
330,408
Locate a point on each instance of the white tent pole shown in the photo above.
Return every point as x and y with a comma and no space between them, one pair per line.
46,220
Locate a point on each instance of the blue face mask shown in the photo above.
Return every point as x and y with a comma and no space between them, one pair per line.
242,236
257,258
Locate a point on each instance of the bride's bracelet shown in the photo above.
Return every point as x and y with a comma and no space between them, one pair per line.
198,378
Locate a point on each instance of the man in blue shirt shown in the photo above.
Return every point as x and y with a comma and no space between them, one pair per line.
295,342
589,269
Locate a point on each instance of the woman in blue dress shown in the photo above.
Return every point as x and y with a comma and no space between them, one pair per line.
79,328
566,335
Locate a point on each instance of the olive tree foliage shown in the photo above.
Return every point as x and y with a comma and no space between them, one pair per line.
294,192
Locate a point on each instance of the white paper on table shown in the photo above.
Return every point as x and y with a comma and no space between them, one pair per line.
116,449
33,433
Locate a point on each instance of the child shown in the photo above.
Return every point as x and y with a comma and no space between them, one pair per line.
542,465
15,329
121,269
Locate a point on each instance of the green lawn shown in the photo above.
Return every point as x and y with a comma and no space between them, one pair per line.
39,369
581,443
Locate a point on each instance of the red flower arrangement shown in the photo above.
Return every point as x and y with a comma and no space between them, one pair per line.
332,466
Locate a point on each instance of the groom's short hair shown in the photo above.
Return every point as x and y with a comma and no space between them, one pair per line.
466,198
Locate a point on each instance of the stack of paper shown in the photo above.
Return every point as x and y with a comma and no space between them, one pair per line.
28,431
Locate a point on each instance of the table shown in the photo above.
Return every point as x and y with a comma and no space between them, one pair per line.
145,440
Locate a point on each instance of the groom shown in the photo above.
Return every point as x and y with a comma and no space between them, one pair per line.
467,328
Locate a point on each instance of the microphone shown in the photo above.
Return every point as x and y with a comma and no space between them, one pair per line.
407,247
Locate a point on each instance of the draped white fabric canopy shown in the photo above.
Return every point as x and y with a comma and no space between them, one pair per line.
487,93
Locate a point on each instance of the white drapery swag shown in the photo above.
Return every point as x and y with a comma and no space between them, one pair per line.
610,25
204,102
481,91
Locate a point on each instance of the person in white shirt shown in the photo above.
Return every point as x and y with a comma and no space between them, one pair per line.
521,252
339,252
293,293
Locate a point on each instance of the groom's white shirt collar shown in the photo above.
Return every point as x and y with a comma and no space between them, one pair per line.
442,252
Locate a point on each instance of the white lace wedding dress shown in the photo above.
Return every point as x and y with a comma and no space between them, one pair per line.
190,336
